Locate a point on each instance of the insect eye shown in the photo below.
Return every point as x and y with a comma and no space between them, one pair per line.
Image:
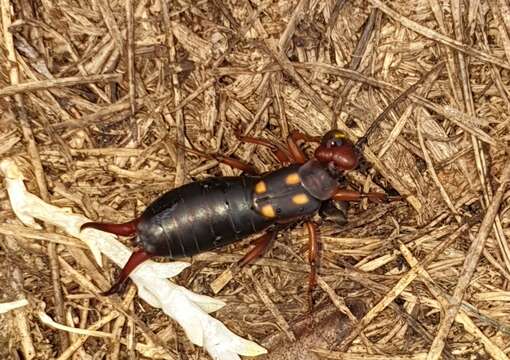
335,142
333,138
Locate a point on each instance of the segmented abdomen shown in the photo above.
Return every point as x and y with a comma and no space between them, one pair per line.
200,216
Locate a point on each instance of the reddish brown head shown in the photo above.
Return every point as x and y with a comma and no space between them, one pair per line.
337,151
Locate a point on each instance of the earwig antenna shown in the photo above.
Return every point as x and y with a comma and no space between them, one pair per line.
362,141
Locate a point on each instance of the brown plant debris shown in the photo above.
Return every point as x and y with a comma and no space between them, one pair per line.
99,100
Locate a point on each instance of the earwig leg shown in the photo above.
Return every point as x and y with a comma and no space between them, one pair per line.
334,211
313,255
234,163
297,154
292,143
262,244
350,195
298,135
137,257
279,151
124,229
292,154
237,164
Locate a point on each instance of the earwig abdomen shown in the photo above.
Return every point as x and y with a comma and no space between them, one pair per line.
200,216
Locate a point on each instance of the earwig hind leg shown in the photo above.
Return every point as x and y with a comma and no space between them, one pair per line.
124,229
262,244
313,256
136,258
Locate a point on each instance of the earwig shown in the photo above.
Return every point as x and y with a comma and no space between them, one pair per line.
219,211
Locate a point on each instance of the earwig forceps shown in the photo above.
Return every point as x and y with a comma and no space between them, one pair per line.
190,310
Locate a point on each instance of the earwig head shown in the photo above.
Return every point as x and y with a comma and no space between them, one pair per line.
337,151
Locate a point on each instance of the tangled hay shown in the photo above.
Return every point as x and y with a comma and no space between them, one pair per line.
96,96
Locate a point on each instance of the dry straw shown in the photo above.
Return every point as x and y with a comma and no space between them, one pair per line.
94,97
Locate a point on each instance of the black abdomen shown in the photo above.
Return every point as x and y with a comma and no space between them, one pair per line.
200,216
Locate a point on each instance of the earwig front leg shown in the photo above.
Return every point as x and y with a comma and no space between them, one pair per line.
313,255
350,195
297,135
279,151
262,244
290,155
297,153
